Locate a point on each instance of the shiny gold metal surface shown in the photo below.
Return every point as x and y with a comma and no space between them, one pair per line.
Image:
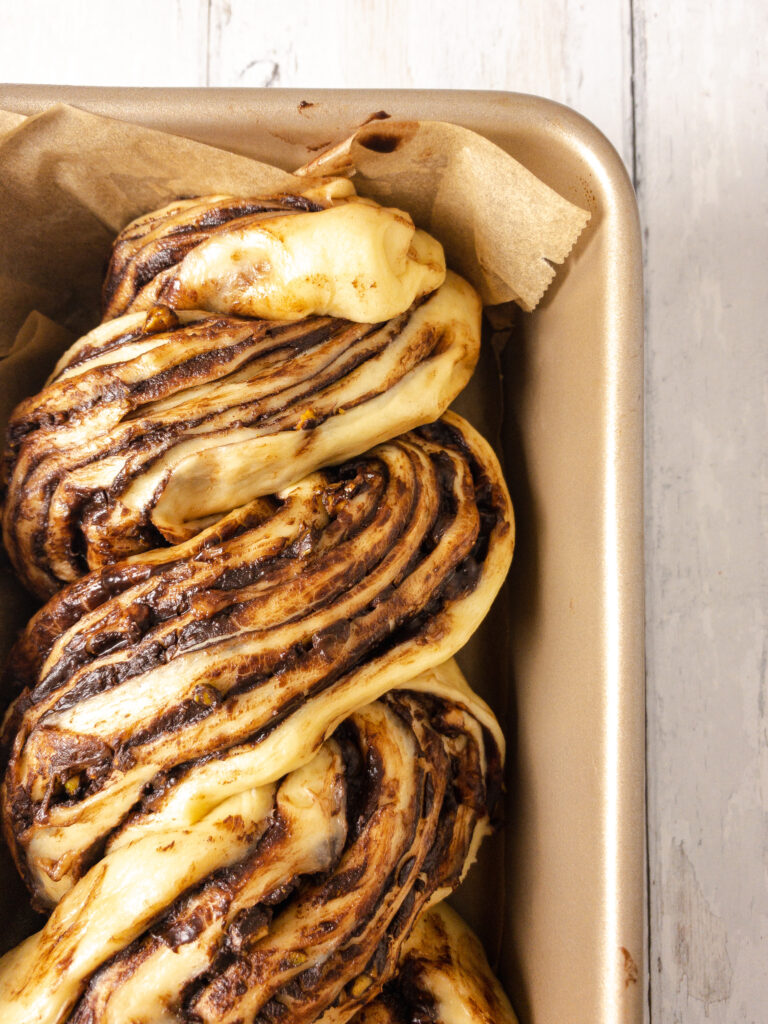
561,895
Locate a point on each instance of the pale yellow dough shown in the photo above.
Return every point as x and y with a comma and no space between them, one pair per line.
357,260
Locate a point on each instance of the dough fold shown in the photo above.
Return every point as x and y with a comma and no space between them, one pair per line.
290,901
155,425
155,688
443,976
285,257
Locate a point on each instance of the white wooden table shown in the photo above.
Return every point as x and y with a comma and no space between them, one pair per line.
680,91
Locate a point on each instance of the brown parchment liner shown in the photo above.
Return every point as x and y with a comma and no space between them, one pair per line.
500,225
71,180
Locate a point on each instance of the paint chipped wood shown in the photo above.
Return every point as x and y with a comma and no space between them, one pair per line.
680,91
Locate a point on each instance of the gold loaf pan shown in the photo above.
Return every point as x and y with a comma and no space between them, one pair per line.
559,895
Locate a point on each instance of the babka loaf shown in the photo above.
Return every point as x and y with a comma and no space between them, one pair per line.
242,770
326,251
154,425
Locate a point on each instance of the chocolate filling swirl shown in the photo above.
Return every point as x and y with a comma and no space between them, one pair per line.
143,680
152,245
154,426
304,902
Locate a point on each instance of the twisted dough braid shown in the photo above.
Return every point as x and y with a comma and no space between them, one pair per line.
152,683
151,245
153,427
285,902
284,257
443,975
240,769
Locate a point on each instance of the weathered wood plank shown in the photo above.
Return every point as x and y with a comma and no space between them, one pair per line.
703,176
85,42
578,54
702,158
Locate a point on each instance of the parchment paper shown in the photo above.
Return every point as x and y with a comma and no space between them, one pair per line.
500,224
9,120
71,180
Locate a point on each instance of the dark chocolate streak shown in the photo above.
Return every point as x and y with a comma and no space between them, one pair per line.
352,918
347,579
136,260
313,357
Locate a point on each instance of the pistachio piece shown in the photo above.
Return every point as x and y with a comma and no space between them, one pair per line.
295,958
206,695
360,985
72,785
307,420
160,318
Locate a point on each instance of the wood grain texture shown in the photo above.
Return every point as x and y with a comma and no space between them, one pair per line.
577,53
88,42
703,183
680,90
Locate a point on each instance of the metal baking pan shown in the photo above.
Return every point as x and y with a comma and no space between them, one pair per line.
560,895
